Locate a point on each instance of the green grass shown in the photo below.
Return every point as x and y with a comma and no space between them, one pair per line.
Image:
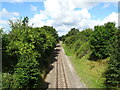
90,72
0,80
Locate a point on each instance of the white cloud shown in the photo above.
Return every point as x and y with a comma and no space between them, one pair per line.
3,23
85,4
63,29
113,17
5,16
36,22
17,0
66,0
49,22
13,18
107,4
22,0
62,15
5,13
33,8
15,13
39,19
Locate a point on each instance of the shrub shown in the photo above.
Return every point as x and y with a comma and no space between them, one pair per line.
28,49
100,40
27,74
82,50
112,73
7,81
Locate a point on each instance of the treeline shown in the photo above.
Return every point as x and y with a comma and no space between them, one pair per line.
102,42
25,52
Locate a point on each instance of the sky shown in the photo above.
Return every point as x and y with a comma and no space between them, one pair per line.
61,14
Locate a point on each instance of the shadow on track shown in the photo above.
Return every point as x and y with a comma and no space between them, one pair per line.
53,59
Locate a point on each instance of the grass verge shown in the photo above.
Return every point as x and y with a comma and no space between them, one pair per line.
0,80
90,72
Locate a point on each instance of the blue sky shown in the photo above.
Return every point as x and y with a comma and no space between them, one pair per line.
24,8
60,14
100,12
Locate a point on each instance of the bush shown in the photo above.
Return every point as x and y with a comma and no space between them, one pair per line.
28,49
27,74
83,50
77,45
78,41
112,73
70,40
100,40
7,80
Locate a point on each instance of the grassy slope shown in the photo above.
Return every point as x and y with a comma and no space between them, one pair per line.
0,80
90,72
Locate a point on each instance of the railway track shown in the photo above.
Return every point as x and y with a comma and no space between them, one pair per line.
62,73
57,77
61,77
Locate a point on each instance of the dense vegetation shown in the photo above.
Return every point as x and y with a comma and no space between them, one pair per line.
112,74
100,43
78,41
25,52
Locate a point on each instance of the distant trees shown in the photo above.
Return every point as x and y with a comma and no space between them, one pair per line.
78,41
100,43
72,32
25,53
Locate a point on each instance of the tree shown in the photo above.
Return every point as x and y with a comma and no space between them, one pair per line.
78,41
112,73
100,40
28,48
72,32
52,31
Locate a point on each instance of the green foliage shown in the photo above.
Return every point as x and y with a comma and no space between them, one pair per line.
84,35
7,80
83,50
77,45
112,73
26,50
27,74
8,61
70,40
100,40
1,31
103,42
78,41
52,31
72,32
90,72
